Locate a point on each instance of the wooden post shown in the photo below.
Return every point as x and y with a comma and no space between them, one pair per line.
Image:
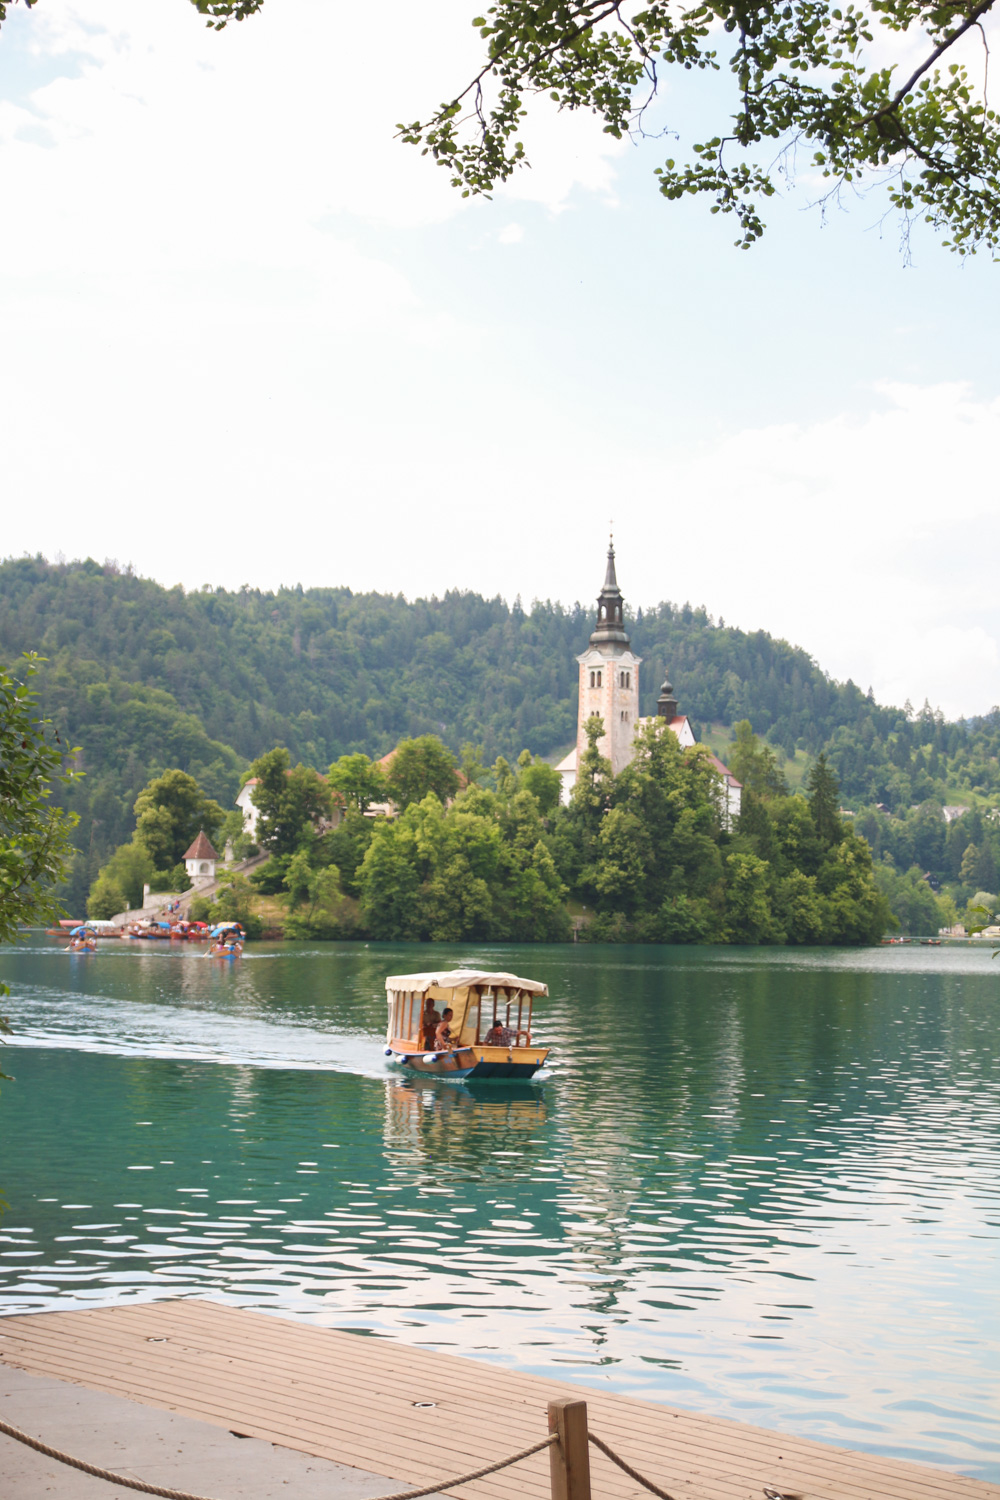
569,1459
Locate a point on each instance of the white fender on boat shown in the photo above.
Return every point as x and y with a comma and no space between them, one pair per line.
430,1057
387,1051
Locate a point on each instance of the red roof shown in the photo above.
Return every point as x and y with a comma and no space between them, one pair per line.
201,848
724,770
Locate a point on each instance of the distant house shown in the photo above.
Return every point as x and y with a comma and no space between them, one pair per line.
251,812
246,806
953,812
732,790
200,860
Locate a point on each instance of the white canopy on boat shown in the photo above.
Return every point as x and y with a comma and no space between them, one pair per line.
459,979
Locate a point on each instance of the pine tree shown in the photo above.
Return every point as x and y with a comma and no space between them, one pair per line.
824,801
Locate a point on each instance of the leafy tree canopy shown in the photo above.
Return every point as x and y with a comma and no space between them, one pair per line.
480,869
291,800
754,764
873,91
169,813
34,831
120,883
421,766
359,781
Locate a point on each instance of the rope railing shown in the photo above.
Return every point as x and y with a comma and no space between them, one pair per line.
567,1439
770,1492
168,1494
628,1469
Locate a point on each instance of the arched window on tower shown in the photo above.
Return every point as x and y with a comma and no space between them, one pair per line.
598,679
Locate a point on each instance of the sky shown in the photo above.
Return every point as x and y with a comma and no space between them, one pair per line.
250,337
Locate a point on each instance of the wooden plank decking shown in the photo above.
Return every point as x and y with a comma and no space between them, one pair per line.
352,1399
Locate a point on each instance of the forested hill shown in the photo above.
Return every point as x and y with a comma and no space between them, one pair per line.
326,672
145,677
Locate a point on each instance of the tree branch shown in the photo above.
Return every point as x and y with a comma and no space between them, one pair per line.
939,51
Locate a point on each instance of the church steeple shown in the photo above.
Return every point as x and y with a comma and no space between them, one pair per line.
610,626
666,704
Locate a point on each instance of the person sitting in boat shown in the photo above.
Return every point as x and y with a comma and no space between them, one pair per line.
499,1035
442,1036
430,1021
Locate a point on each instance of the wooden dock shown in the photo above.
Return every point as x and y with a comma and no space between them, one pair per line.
418,1416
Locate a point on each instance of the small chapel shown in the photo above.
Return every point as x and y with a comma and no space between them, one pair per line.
609,687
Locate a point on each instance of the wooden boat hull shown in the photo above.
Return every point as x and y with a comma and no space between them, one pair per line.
469,1062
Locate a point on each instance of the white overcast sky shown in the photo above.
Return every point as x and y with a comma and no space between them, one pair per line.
247,336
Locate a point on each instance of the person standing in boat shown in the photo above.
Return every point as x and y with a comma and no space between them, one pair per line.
429,1021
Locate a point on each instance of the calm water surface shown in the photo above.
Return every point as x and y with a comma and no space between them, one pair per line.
763,1185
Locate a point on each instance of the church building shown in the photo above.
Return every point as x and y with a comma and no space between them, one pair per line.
609,687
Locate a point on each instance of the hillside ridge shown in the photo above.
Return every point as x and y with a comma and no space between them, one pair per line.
144,677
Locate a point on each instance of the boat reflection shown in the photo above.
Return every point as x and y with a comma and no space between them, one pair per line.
463,1125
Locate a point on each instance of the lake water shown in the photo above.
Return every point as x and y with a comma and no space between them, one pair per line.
760,1184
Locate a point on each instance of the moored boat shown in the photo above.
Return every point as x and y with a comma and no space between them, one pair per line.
463,1023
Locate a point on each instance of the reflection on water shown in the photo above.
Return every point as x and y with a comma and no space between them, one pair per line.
763,1185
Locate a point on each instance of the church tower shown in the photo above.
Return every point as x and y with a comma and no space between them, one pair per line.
609,682
609,688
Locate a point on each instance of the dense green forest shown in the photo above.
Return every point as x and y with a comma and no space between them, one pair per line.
145,678
645,856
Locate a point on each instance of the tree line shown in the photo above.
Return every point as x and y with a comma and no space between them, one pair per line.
491,854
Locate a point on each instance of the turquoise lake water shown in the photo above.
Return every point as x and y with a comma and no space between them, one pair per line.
760,1184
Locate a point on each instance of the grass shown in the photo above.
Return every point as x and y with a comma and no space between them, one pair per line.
719,738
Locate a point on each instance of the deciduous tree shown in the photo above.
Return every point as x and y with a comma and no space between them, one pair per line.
420,766
34,832
856,89
869,91
755,765
291,801
359,781
168,815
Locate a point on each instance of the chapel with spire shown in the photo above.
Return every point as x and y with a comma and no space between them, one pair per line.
609,687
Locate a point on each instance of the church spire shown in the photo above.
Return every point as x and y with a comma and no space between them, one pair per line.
610,580
610,626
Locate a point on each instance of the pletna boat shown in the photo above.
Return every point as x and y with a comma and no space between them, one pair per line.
488,1033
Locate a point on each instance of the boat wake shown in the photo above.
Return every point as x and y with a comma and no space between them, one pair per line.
48,1017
